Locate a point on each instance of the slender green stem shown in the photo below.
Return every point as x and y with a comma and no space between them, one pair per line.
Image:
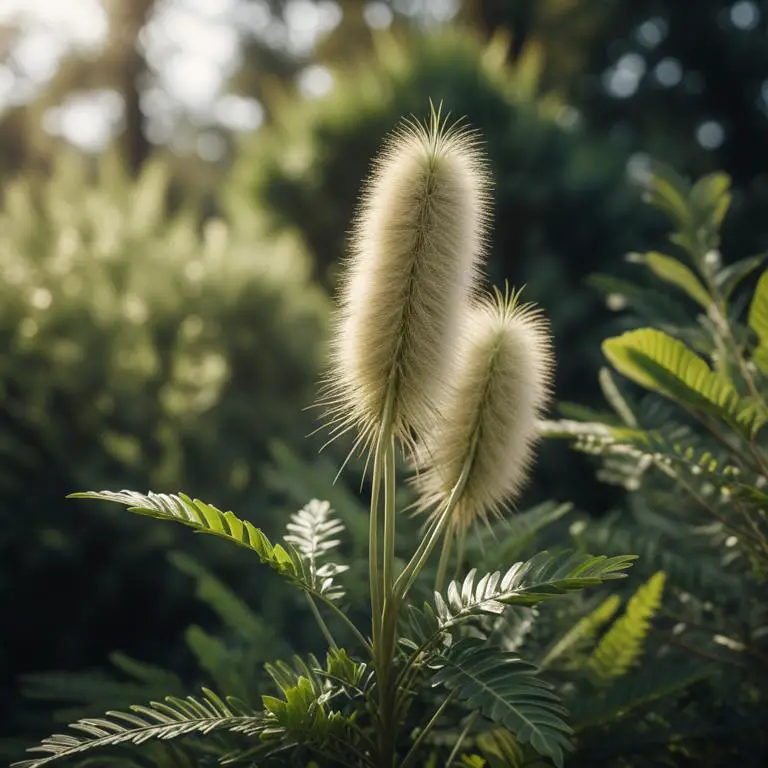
385,645
389,519
343,616
416,564
373,543
320,621
383,604
412,752
463,735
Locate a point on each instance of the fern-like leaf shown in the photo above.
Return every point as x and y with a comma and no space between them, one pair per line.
311,531
205,518
758,322
622,644
303,718
526,583
176,718
663,364
507,691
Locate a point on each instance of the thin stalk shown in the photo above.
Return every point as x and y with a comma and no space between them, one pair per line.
321,622
373,542
463,735
411,756
389,519
386,642
416,564
343,616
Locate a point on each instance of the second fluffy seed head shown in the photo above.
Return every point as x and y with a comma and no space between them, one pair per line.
488,424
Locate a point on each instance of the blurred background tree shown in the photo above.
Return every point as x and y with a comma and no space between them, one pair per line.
146,142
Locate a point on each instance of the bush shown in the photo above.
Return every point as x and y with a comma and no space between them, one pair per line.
140,347
687,439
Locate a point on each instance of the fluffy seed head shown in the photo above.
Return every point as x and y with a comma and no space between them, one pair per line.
417,243
503,378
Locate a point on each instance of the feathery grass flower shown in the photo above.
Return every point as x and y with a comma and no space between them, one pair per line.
417,242
502,383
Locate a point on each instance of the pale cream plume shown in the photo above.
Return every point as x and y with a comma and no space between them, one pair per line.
502,383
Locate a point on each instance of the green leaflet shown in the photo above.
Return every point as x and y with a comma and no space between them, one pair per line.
311,531
205,518
758,322
526,583
507,691
176,718
675,273
661,363
303,717
622,644
668,192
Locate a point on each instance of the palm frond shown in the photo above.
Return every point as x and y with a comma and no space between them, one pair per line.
507,691
176,718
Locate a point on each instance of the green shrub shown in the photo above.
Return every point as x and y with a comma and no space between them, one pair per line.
687,440
140,347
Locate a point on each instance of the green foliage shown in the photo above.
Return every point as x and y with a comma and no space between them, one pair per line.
621,646
583,631
307,541
176,718
686,441
758,322
659,362
145,346
526,584
202,518
507,691
303,714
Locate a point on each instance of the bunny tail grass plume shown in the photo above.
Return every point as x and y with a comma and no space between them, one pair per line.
503,379
417,243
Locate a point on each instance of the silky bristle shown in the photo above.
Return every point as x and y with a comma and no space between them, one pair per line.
502,384
417,244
